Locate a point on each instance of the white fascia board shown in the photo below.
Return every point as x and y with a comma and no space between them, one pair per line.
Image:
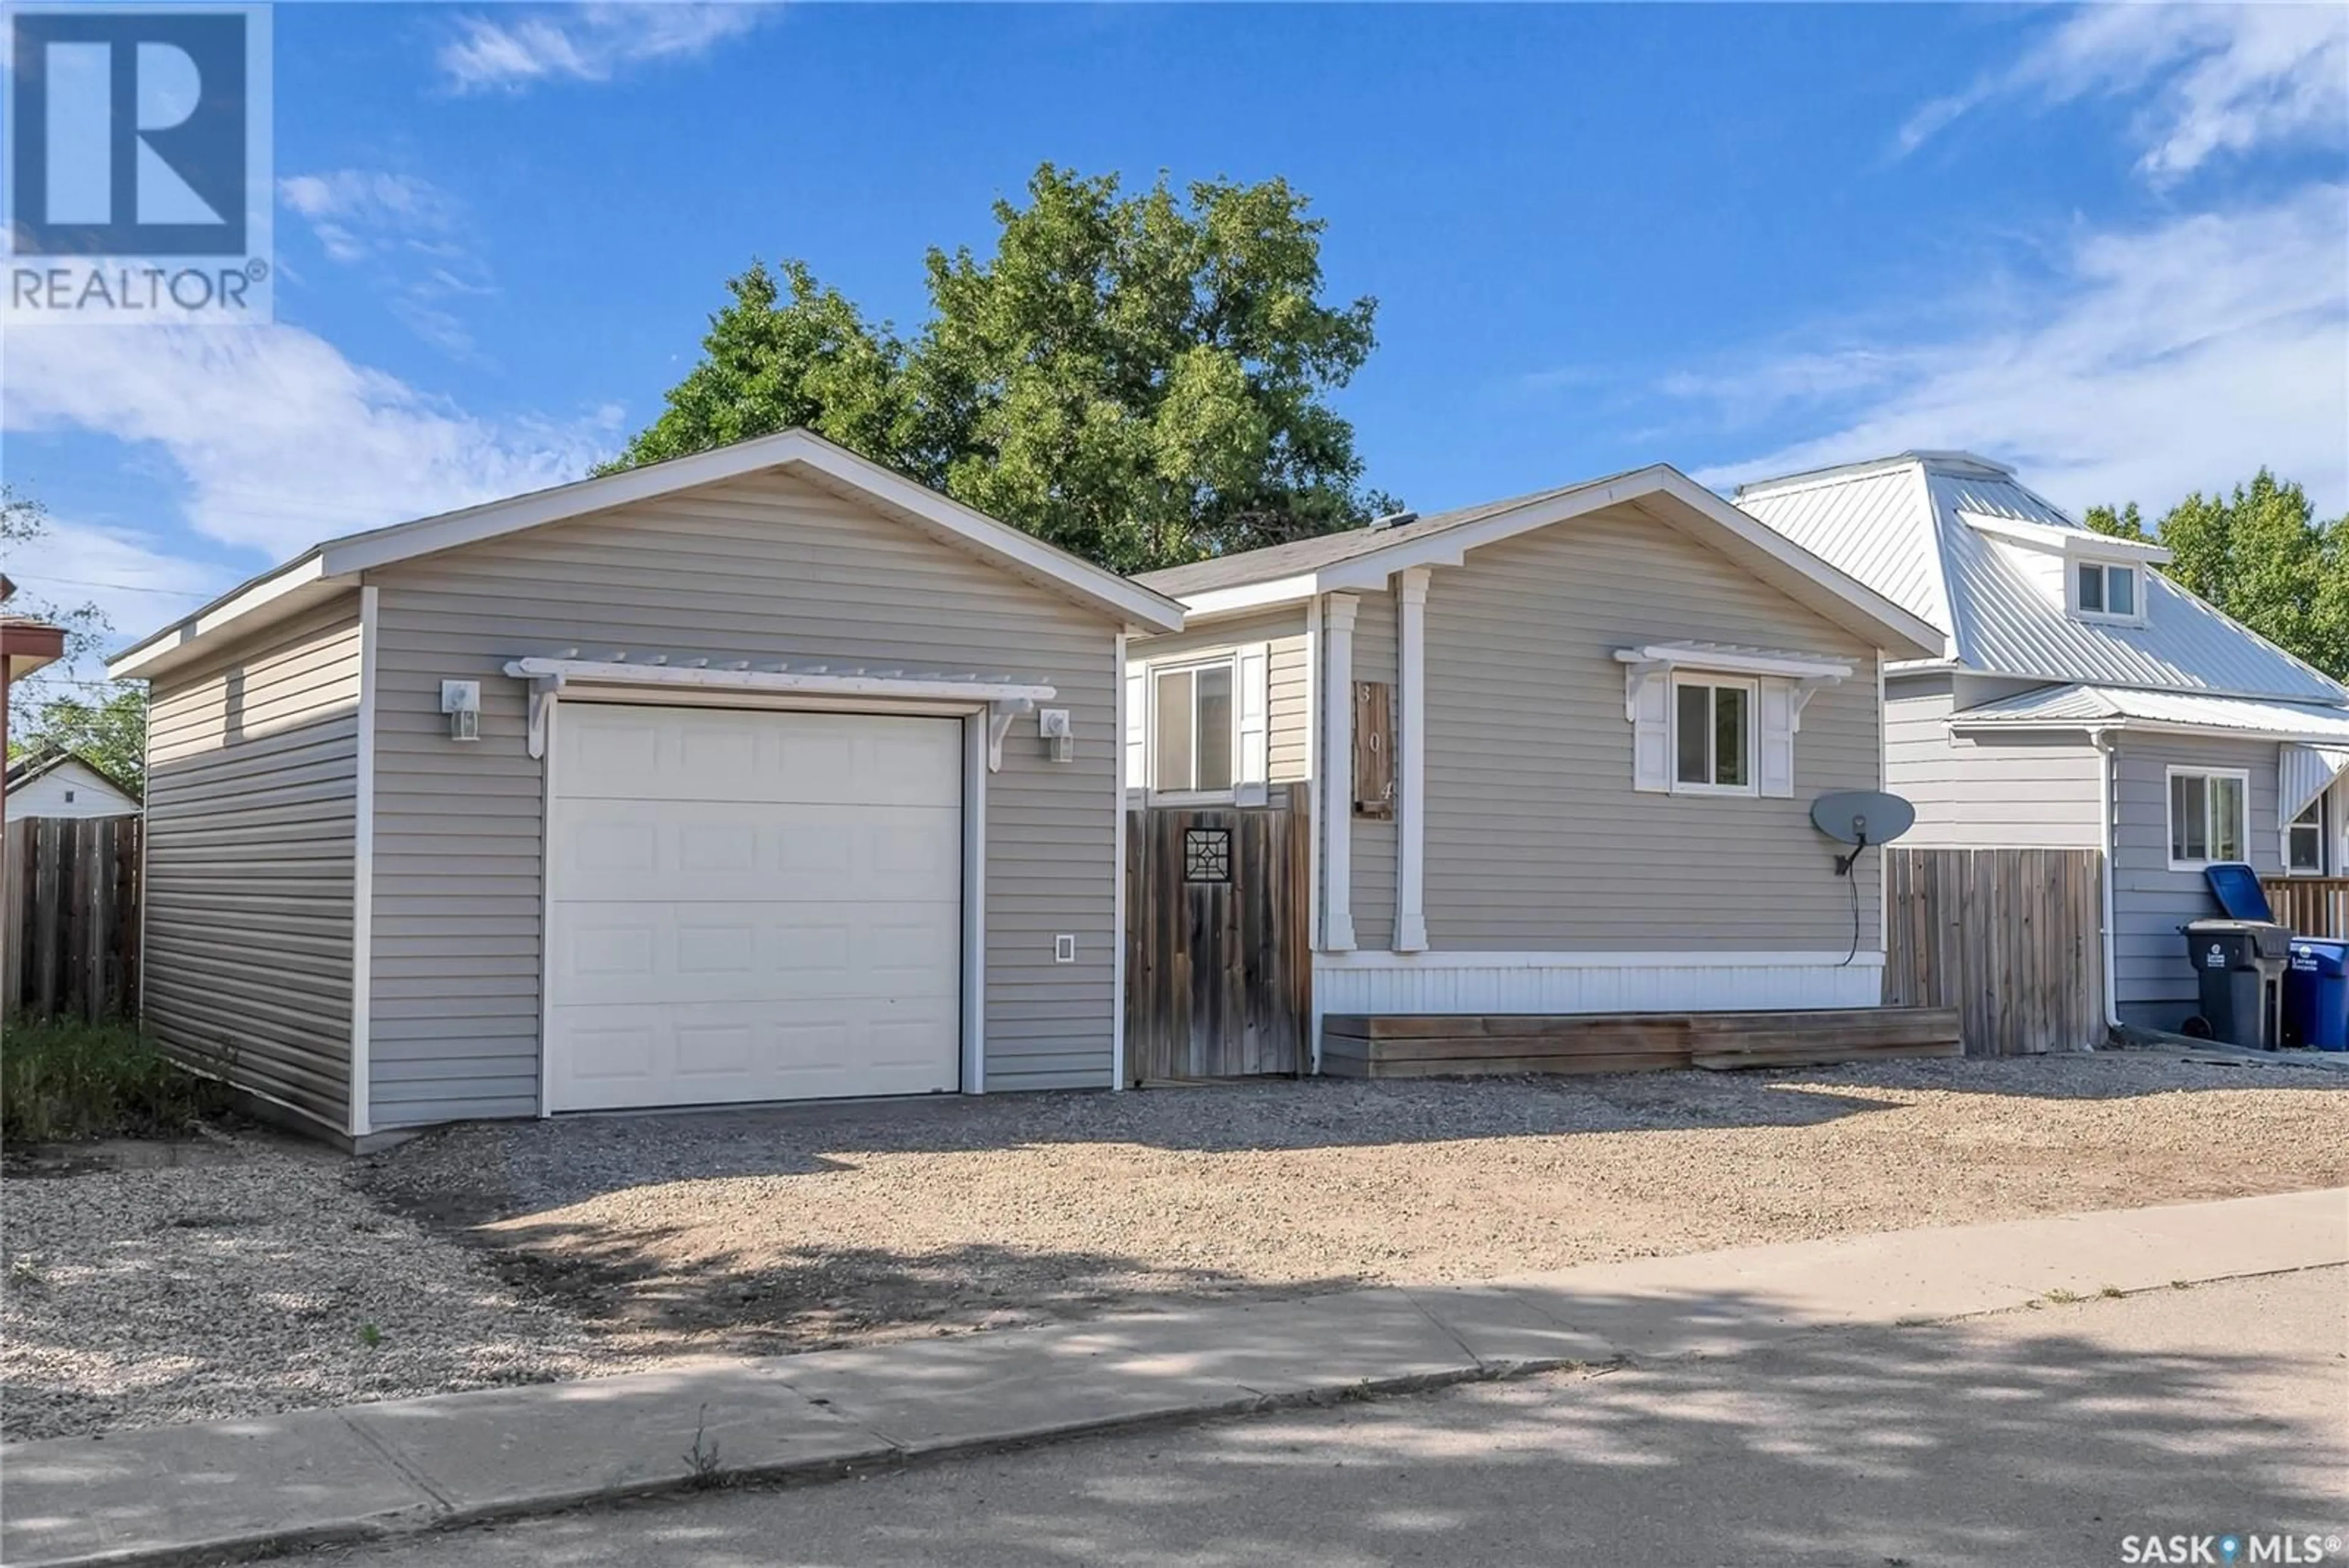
1213,602
1124,600
235,605
913,688
1383,958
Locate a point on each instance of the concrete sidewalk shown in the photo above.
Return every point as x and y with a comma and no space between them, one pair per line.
369,1469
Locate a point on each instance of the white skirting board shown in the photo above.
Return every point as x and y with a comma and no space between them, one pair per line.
1378,982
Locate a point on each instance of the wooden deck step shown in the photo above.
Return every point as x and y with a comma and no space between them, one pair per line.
1420,1046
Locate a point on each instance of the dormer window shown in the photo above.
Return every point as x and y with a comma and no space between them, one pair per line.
2107,590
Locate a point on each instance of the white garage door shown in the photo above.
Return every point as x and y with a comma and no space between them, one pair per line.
752,907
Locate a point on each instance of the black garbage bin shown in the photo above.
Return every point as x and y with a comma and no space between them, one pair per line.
2239,965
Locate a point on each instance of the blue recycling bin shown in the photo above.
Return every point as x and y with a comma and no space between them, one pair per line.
2316,995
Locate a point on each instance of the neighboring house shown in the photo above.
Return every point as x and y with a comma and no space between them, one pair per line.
1610,706
59,783
2078,698
746,795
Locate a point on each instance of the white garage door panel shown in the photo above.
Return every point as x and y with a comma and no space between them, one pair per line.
752,907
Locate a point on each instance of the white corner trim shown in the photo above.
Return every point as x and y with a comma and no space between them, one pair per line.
1338,774
1118,910
1315,745
362,1111
1411,810
975,746
550,800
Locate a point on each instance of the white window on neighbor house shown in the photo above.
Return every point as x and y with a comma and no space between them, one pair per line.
2107,590
1194,728
2209,817
2304,841
1712,735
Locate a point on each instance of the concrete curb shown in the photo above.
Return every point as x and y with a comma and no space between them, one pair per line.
167,1495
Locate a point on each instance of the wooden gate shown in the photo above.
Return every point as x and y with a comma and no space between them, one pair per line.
1219,969
69,921
2011,938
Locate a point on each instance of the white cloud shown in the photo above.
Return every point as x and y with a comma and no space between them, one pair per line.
2176,358
2216,78
584,43
282,440
404,228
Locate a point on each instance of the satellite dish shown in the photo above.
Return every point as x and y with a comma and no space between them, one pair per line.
1861,817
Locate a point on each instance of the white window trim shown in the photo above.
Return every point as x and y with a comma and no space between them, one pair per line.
1752,690
1230,661
2072,565
2168,805
2323,807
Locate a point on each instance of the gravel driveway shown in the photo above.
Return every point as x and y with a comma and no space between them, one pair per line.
523,1251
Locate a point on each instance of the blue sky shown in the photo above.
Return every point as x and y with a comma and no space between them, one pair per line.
2111,245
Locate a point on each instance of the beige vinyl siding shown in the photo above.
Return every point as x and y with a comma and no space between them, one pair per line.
760,568
1373,884
2153,984
1536,841
253,768
1982,791
1288,717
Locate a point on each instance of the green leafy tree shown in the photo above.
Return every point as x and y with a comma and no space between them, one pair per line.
2124,523
1139,378
2262,556
58,707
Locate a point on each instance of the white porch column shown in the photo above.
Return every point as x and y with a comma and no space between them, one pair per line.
1411,804
1338,773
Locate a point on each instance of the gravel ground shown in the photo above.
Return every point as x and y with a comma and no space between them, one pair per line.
764,1232
244,1285
518,1251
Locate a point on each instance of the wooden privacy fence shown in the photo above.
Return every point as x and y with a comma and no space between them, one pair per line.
2313,905
2010,938
71,918
1219,967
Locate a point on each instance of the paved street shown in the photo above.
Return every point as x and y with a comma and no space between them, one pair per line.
2043,1436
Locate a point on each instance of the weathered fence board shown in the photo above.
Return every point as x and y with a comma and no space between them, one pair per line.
1219,970
2313,905
2010,938
69,918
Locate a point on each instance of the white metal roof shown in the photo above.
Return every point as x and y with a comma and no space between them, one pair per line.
1922,528
2125,707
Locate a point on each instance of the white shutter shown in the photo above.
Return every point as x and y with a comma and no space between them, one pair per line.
1776,739
1648,698
1138,720
1254,705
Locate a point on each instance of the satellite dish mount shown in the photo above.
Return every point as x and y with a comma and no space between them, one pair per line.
1859,819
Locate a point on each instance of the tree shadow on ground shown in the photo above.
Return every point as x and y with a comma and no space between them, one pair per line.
631,1288
1931,1447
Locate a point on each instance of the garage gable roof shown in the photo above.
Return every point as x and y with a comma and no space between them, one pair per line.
337,563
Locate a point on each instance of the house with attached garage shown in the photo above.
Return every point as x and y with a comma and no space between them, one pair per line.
1553,755
760,775
2077,699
